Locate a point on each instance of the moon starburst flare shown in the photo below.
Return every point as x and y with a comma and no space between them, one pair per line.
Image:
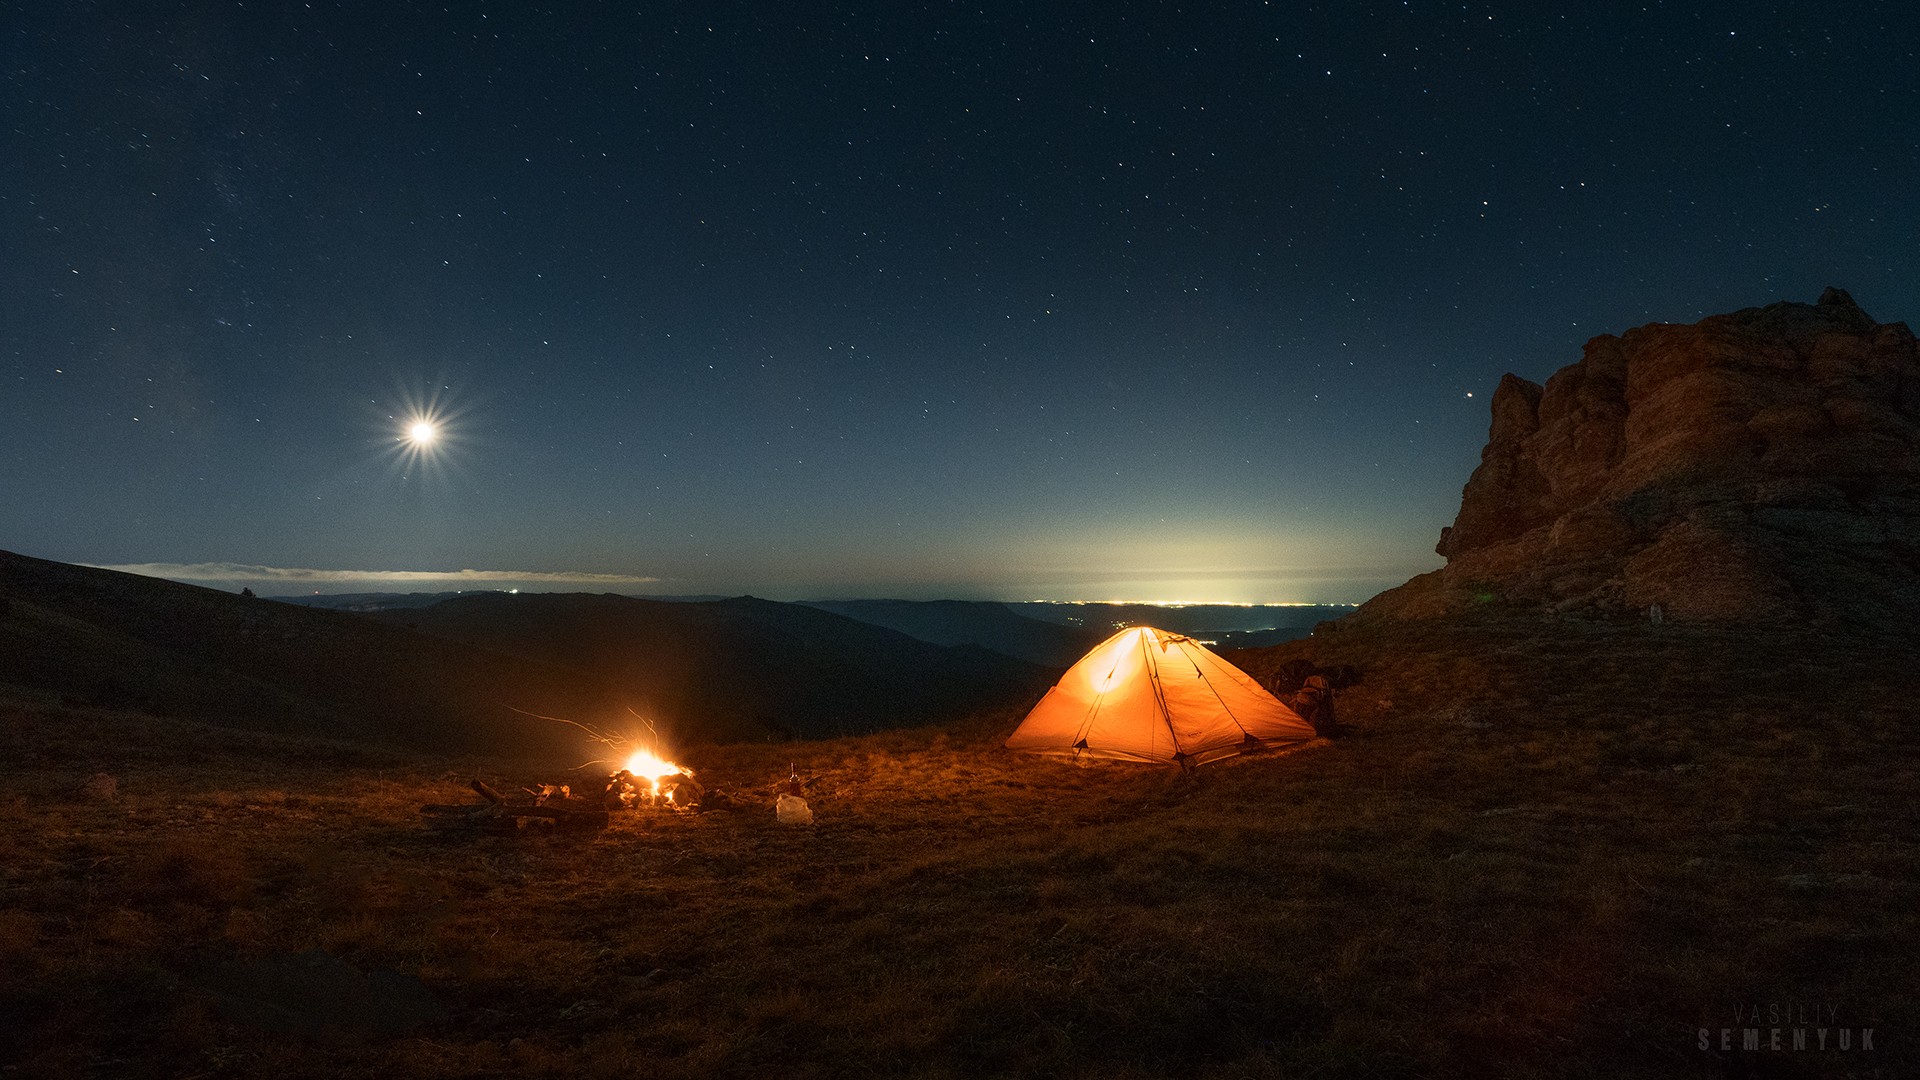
423,435
422,440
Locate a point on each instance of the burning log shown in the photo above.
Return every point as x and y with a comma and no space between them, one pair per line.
652,780
678,790
682,791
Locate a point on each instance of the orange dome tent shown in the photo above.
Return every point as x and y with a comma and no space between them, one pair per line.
1147,695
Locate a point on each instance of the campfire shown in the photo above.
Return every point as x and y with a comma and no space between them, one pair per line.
645,781
651,779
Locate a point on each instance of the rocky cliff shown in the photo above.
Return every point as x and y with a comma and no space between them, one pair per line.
1759,465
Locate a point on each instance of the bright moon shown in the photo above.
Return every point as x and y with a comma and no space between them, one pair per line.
421,433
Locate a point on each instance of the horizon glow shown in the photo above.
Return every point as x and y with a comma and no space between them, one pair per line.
230,576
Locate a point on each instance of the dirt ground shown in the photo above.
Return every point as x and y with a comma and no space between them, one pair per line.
1564,854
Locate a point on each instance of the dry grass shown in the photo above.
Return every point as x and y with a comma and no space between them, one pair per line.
1554,855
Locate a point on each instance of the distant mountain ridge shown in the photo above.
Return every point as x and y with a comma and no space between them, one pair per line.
1052,634
987,624
1208,620
1058,633
738,668
387,601
461,675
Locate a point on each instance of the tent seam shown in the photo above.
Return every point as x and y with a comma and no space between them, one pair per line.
1160,693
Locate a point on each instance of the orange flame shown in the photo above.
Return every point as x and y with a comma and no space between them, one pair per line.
649,766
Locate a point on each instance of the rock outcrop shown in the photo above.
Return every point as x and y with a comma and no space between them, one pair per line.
1758,465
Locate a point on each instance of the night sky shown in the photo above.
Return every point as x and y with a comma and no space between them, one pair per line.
1008,301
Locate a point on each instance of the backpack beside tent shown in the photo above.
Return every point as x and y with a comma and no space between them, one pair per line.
1147,695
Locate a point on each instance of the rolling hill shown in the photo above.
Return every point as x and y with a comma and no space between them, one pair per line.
106,639
737,669
462,674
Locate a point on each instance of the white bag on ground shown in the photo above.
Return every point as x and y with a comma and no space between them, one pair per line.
793,810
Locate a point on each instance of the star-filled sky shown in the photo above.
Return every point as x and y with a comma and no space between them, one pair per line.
985,300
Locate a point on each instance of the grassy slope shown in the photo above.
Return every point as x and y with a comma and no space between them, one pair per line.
1539,853
114,640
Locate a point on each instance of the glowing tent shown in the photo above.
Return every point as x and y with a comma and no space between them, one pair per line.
1147,695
